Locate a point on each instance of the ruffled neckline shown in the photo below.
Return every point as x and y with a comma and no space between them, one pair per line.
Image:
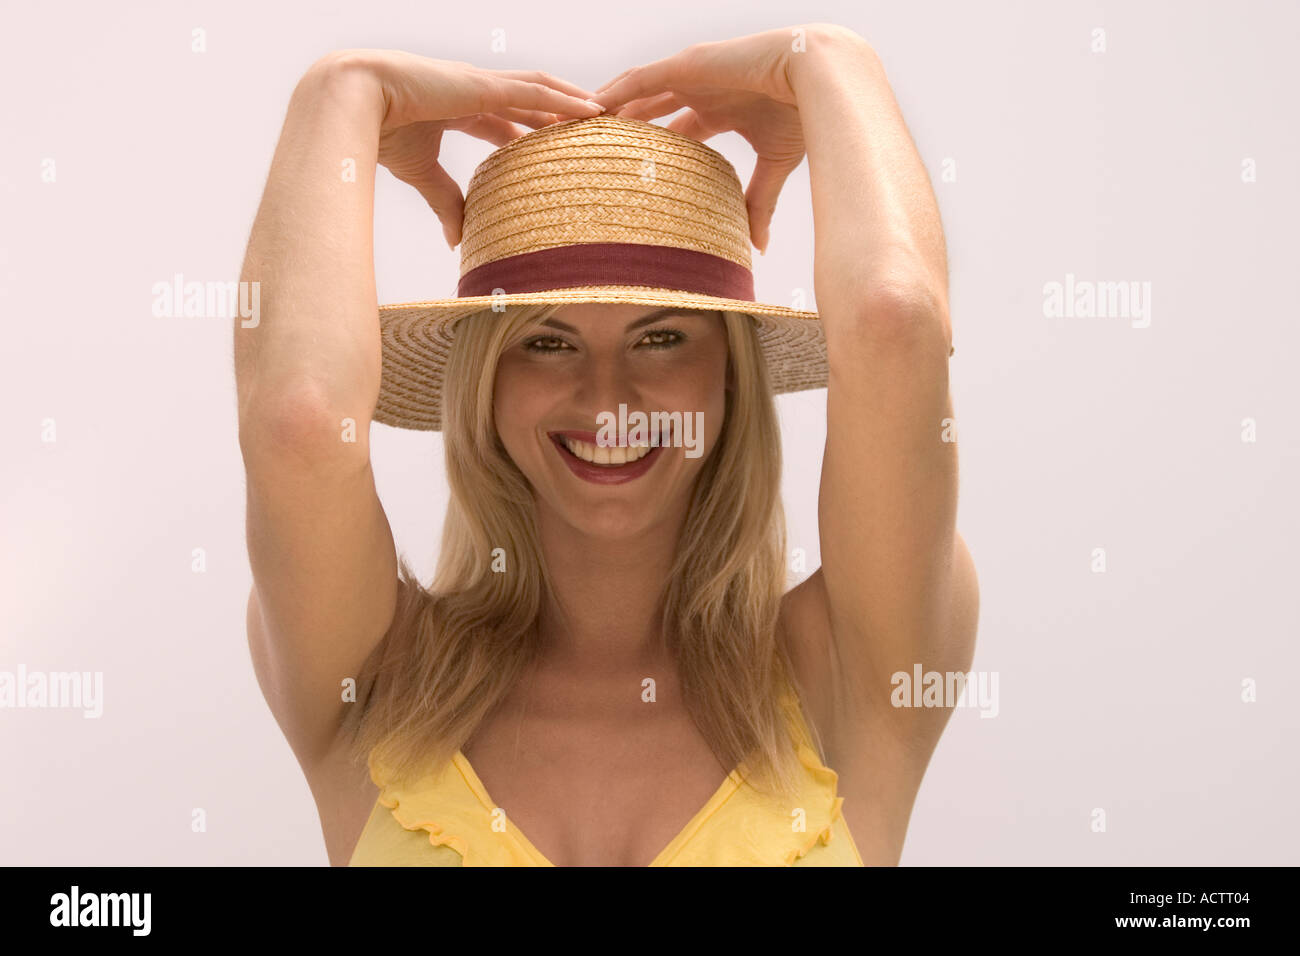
736,824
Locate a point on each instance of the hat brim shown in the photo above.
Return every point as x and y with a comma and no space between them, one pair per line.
417,338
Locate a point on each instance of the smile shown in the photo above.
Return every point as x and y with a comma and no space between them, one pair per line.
603,465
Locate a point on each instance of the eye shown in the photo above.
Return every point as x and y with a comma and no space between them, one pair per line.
663,338
654,339
546,343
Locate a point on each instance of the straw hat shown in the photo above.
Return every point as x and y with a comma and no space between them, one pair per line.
606,209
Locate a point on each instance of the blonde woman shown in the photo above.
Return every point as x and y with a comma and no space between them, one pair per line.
608,668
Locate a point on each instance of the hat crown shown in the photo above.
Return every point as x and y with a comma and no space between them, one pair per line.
606,179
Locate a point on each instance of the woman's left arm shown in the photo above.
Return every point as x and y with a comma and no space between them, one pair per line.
898,582
897,586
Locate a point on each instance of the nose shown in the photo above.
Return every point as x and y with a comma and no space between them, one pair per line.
604,382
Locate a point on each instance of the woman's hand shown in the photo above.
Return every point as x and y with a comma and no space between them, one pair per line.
425,97
742,85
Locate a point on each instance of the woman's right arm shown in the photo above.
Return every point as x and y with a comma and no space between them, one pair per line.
324,564
320,547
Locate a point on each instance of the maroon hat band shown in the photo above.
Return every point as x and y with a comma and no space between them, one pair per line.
611,263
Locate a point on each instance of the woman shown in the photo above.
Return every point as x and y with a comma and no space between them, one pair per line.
610,667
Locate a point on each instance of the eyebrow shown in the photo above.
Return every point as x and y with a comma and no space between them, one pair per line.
652,317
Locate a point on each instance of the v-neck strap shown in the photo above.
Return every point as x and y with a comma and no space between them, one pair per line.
738,826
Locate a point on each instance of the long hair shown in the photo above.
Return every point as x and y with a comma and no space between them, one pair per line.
454,650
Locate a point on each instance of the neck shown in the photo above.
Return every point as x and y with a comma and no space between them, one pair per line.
610,595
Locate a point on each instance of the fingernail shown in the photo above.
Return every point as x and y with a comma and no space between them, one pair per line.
596,105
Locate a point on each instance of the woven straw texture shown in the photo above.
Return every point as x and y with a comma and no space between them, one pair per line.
606,179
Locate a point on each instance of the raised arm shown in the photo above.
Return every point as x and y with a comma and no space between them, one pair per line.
319,544
308,371
898,581
897,586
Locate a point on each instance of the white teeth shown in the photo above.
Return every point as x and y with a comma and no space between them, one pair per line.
606,455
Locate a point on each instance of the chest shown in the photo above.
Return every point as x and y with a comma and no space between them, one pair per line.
602,784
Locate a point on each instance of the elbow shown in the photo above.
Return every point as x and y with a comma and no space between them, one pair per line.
905,320
906,315
299,423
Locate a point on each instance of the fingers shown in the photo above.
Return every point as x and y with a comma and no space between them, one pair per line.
638,82
534,118
760,198
652,107
497,130
504,92
419,89
538,76
444,197
690,124
608,83
711,63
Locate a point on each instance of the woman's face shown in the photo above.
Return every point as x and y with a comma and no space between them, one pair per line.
559,376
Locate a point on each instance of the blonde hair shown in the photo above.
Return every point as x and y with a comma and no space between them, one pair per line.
455,650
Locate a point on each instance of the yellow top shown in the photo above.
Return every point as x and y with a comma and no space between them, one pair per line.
448,819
